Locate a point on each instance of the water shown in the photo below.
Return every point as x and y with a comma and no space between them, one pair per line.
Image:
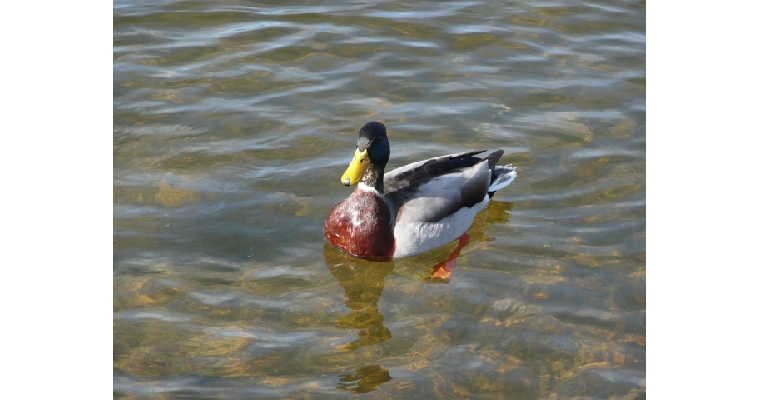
232,125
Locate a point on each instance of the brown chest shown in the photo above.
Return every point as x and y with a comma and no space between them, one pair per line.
361,226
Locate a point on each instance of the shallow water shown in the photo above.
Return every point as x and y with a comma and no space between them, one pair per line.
233,122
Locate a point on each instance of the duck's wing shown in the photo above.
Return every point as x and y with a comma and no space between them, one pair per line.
431,190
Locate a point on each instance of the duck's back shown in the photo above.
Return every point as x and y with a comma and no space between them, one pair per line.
433,202
431,190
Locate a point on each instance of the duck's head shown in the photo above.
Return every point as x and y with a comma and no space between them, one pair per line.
372,150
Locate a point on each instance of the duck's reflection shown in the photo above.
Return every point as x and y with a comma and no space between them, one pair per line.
363,283
365,380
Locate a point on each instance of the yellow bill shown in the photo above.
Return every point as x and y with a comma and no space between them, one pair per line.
356,169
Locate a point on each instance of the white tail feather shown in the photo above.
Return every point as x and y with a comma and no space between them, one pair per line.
505,174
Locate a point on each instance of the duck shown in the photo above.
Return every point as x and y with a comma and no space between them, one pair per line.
414,208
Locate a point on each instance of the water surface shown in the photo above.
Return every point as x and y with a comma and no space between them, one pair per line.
233,122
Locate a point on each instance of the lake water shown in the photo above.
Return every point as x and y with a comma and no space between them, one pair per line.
233,122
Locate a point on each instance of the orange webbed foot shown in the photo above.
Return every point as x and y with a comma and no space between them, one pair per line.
444,268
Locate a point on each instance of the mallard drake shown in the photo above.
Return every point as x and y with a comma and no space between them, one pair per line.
414,208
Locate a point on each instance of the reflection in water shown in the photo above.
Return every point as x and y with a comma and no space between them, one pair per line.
365,380
363,282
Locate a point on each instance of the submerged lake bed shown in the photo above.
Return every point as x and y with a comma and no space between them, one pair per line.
233,123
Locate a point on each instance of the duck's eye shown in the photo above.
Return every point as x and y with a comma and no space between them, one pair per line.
361,160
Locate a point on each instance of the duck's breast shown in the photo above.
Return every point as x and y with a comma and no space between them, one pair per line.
361,226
